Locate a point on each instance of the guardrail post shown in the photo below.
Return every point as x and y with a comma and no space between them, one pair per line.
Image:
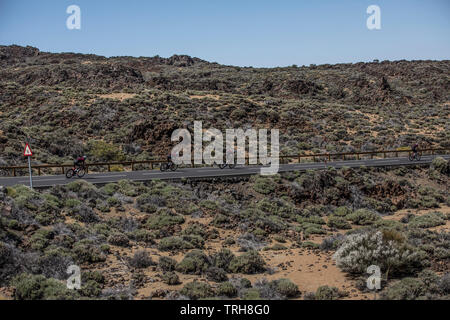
151,165
62,169
384,154
357,156
329,157
39,171
109,168
132,166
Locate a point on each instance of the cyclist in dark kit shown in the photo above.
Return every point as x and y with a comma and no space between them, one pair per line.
79,162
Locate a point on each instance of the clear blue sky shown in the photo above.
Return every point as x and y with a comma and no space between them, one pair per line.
256,33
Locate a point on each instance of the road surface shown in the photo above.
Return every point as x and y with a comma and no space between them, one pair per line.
209,172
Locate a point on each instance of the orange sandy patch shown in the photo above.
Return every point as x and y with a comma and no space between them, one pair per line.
211,96
117,96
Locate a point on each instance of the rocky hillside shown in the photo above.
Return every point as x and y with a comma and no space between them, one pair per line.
125,107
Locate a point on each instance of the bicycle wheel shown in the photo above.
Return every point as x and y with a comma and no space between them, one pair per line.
173,167
70,173
81,173
163,167
411,156
223,165
418,156
232,166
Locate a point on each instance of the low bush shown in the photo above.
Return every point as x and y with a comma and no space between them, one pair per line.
170,278
174,244
216,274
194,262
427,220
405,289
141,260
338,223
287,288
163,219
227,289
359,251
167,263
363,217
119,239
37,287
222,259
248,263
327,293
197,290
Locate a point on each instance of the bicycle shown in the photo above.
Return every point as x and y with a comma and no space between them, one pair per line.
168,166
415,155
79,172
224,165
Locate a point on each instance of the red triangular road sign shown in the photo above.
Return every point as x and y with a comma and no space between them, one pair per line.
27,152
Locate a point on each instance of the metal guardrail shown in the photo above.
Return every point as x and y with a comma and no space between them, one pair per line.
151,163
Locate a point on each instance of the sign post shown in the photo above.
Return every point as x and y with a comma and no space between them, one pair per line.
28,153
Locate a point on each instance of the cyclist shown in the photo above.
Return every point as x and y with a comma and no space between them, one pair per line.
79,162
414,149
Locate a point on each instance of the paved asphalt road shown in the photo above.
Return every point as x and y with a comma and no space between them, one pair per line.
208,172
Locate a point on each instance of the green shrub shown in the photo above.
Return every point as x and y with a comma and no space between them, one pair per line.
194,262
174,244
248,263
141,235
170,278
338,223
405,289
41,239
90,288
141,260
359,251
222,259
327,293
216,274
227,289
163,219
85,251
167,263
37,287
220,220
286,288
363,217
264,185
104,151
252,294
119,239
427,220
197,290
342,211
